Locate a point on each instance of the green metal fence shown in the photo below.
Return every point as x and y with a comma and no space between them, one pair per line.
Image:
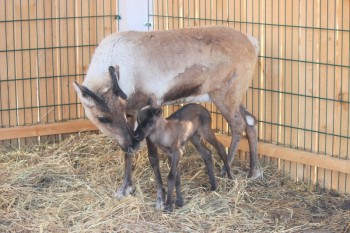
300,91
44,46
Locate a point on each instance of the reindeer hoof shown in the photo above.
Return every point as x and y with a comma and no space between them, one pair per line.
125,191
179,202
254,174
159,204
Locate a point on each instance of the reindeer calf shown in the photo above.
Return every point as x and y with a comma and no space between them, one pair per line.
191,122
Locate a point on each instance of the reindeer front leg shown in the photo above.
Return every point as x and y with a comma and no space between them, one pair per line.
127,188
154,160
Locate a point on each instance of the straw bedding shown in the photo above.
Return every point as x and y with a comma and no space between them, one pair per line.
70,187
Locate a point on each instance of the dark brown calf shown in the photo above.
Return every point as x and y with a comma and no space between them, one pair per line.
191,122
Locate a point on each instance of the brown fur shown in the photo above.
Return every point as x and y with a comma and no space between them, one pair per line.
191,122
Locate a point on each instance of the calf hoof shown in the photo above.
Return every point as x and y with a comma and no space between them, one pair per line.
125,191
256,173
223,172
213,188
168,208
179,202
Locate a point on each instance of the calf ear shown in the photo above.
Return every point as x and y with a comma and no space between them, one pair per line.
150,102
114,73
158,111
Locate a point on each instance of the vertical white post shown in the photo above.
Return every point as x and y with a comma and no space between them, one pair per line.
134,15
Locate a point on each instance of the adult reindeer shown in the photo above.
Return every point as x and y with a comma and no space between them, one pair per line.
210,64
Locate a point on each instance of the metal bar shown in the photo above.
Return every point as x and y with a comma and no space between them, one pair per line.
249,22
58,18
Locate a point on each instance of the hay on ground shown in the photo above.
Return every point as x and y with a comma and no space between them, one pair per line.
71,186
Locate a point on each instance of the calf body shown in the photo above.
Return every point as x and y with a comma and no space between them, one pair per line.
191,122
211,64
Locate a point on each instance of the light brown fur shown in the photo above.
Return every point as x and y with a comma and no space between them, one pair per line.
195,64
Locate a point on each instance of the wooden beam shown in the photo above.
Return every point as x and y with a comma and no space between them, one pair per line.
46,129
303,157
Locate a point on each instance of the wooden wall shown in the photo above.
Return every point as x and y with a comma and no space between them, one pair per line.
300,91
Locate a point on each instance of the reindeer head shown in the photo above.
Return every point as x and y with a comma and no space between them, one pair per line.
107,111
146,119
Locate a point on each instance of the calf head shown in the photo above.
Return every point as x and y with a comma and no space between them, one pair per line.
107,111
147,119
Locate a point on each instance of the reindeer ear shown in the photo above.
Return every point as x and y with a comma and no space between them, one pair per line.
89,98
114,73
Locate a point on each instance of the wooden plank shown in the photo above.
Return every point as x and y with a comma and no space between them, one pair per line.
254,30
4,84
297,156
208,12
343,20
302,76
170,13
71,29
86,53
157,11
23,94
323,79
32,60
11,89
342,78
261,74
192,13
266,117
46,129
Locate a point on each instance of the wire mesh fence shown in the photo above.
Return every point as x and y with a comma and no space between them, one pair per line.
300,90
44,47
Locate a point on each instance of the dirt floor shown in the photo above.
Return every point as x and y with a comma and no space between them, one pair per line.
70,187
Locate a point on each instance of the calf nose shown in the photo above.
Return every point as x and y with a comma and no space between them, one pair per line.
138,136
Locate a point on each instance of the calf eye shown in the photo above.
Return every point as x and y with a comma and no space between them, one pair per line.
104,120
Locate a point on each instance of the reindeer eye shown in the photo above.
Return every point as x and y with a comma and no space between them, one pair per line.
104,120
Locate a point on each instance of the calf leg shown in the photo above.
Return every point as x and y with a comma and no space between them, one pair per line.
206,155
179,200
154,160
174,159
127,187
